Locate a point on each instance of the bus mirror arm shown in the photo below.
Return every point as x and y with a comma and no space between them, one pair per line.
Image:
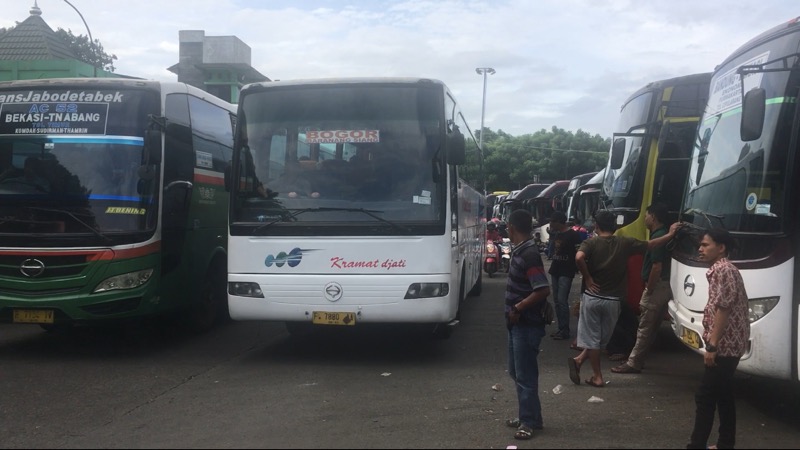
436,169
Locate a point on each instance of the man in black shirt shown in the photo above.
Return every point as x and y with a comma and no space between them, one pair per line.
565,241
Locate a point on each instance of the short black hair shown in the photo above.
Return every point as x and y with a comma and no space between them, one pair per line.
604,220
558,217
522,221
659,211
722,237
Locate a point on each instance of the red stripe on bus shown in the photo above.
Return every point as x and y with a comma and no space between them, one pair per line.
91,255
209,179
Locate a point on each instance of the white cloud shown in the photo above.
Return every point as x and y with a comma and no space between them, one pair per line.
565,63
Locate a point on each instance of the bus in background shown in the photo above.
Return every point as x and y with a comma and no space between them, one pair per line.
744,178
492,200
649,159
569,202
585,201
542,206
385,231
112,201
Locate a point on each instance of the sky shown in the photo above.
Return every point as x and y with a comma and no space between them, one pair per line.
564,63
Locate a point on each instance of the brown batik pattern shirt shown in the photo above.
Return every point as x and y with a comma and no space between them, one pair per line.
726,291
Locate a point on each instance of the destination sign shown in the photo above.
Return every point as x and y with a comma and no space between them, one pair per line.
53,118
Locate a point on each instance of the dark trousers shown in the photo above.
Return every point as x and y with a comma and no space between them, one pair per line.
624,337
716,392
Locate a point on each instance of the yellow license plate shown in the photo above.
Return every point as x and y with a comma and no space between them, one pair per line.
334,318
690,338
34,315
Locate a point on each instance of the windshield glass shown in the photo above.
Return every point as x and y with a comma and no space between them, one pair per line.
619,183
94,178
738,185
339,148
70,162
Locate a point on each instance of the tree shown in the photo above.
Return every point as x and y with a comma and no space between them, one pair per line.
545,156
91,53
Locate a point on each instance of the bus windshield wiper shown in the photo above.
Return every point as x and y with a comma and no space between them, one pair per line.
705,215
74,217
370,212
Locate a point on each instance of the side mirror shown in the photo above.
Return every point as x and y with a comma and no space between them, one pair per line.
152,146
456,147
617,153
753,110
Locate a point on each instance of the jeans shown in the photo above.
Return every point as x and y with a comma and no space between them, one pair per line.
523,366
561,286
716,390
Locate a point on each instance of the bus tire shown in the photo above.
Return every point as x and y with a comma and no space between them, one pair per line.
211,305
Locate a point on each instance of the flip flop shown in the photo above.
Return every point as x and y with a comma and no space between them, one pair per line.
523,433
590,382
574,371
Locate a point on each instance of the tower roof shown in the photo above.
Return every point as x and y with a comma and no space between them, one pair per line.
33,39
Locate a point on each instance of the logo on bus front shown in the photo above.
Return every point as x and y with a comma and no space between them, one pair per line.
292,259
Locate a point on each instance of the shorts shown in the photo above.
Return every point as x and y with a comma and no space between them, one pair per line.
597,320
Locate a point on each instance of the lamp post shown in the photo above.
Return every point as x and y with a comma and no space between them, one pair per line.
91,41
483,71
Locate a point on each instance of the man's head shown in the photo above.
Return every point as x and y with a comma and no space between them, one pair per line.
520,226
717,243
558,221
657,216
604,221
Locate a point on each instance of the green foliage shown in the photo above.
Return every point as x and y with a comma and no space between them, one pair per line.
513,162
89,52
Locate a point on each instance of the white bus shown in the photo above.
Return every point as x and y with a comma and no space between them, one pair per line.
347,205
744,178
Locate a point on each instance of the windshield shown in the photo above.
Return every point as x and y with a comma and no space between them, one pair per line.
738,185
95,178
73,168
619,183
329,150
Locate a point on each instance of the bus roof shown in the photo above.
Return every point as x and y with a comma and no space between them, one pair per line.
676,81
346,80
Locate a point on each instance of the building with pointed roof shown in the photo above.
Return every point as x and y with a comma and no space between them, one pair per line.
32,50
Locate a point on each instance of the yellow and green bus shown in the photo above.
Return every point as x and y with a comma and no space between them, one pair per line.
649,157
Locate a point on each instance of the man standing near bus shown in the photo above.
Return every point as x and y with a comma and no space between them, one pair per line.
726,330
656,294
602,262
526,295
565,241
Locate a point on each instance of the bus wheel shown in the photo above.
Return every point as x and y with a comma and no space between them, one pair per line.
211,306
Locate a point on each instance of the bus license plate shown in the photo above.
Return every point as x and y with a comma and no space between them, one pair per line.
334,318
33,315
690,338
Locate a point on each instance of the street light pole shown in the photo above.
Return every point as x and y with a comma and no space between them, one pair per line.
91,41
483,71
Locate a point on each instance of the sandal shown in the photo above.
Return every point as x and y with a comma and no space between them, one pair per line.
574,371
625,368
523,433
617,357
513,423
591,382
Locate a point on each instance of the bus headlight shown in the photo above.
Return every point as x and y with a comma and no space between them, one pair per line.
759,307
125,281
427,290
245,289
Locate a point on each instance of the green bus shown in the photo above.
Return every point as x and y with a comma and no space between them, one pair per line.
112,201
